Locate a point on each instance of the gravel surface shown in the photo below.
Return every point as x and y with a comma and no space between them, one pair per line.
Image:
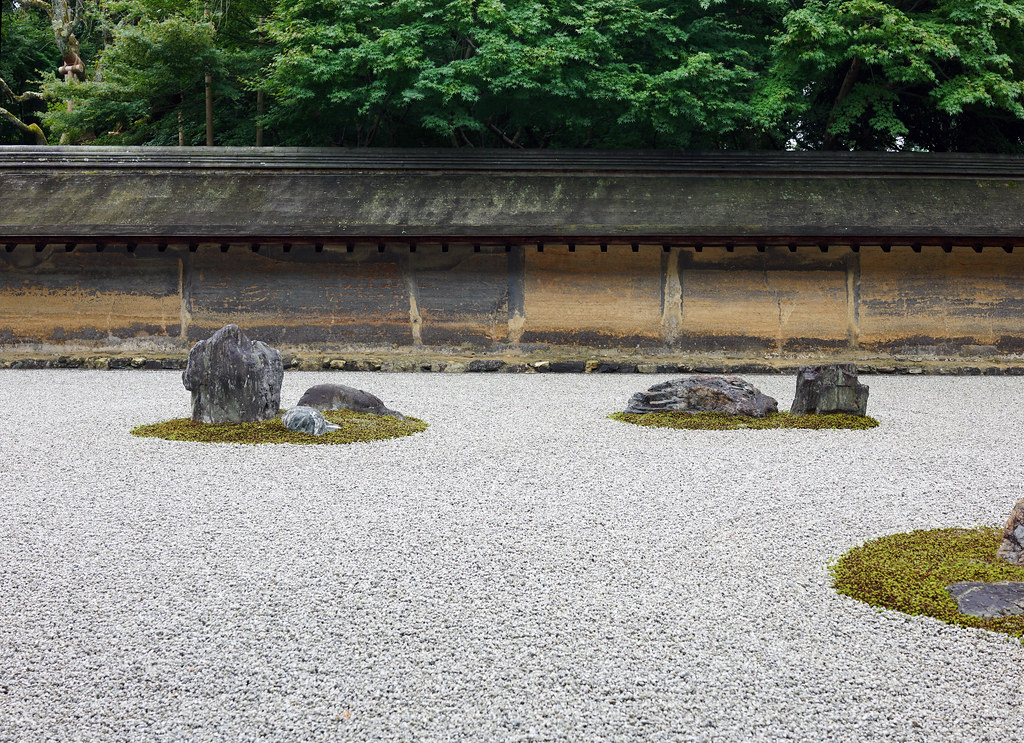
526,569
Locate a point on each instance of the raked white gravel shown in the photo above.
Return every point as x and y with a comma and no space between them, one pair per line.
526,569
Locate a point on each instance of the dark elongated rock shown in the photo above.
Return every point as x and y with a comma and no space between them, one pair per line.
343,397
829,388
485,365
1012,547
307,420
990,600
233,379
704,394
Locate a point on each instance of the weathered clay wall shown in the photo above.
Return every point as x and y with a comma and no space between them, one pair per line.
500,299
88,297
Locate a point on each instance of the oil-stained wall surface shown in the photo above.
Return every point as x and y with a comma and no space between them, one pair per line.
52,296
745,298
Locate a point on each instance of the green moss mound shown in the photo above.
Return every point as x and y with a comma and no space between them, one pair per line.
910,572
723,422
354,427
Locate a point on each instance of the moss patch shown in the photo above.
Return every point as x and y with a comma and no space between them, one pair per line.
354,427
910,572
723,422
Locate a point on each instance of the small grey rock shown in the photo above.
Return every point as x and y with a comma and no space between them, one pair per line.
704,394
570,367
307,420
989,600
343,397
829,388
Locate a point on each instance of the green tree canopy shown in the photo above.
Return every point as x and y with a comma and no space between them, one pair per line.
928,74
690,74
603,73
152,72
26,51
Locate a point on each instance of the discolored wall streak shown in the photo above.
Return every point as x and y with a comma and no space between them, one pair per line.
323,299
763,301
592,297
499,298
52,296
933,297
461,296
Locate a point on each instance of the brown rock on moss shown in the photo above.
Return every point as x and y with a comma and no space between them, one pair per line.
704,394
1012,547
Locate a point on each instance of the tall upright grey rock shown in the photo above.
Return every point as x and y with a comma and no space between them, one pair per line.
829,388
233,379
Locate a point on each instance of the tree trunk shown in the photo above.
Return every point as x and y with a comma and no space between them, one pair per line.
32,129
209,96
829,139
259,113
209,110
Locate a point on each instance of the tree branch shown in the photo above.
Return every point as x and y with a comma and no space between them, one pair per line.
29,96
504,137
844,90
32,129
37,4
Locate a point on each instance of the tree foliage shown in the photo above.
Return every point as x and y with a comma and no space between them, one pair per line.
151,72
925,74
27,47
562,73
690,74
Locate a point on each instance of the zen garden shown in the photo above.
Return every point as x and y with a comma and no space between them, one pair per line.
404,370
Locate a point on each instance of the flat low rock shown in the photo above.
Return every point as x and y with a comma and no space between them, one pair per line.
704,394
343,397
304,419
989,600
829,388
1011,548
233,379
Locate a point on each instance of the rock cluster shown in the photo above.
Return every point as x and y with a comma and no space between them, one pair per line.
307,420
343,397
704,394
1012,547
233,379
829,388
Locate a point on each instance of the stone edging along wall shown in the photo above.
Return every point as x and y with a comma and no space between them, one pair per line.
615,307
558,366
